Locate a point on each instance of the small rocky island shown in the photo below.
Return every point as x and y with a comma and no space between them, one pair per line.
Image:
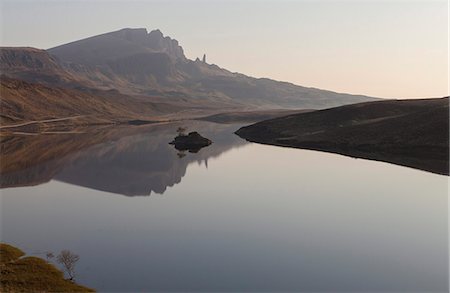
192,142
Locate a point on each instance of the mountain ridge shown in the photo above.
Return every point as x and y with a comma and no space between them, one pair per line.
143,70
135,62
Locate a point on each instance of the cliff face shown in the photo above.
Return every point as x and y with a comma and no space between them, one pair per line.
159,43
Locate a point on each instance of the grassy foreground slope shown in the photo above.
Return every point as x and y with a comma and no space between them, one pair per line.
31,274
413,133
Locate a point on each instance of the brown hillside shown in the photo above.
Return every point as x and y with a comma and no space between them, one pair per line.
22,101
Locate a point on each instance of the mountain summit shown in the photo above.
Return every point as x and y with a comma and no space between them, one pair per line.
100,49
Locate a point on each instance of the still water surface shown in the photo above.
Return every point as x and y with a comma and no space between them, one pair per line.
235,216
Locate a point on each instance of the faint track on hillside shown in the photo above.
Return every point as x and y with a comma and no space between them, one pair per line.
40,121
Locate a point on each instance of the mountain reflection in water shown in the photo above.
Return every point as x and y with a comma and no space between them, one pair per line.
260,218
124,160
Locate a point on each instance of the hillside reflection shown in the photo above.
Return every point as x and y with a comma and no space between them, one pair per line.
124,160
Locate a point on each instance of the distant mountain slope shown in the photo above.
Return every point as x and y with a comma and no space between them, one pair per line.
412,133
137,62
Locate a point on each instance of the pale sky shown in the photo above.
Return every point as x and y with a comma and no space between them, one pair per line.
384,48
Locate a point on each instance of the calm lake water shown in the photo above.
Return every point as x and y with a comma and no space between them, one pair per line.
235,216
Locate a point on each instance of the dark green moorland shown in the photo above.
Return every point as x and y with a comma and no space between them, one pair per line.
412,133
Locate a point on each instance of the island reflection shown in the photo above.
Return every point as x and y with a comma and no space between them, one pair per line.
127,160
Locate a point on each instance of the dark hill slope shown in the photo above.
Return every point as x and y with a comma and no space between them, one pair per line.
412,133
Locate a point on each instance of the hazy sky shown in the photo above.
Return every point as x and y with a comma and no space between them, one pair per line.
378,48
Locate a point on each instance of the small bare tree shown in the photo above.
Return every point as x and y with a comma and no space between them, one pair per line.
49,255
68,260
181,131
